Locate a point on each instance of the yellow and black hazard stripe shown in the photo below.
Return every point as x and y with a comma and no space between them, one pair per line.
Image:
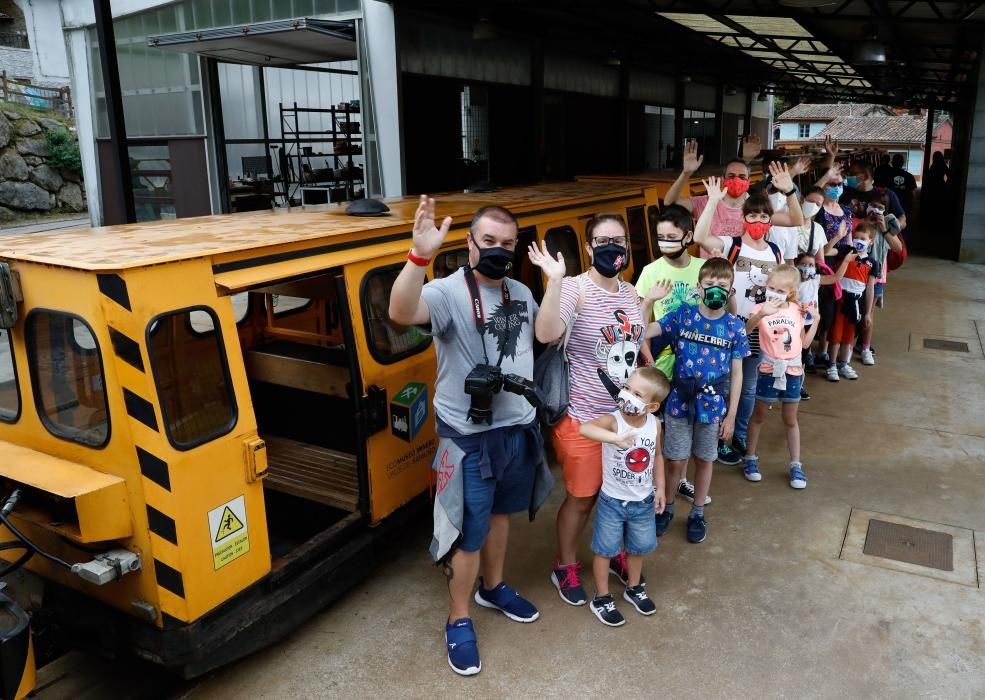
123,332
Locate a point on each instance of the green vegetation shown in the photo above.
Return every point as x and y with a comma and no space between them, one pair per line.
31,112
63,150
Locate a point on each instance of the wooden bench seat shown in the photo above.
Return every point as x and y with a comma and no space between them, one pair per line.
300,366
312,472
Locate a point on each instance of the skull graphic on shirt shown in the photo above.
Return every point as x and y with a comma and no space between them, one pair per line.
620,358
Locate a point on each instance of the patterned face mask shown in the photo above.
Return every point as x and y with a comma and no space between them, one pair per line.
630,404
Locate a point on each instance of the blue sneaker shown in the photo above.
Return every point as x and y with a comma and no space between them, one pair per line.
697,530
463,649
750,468
798,479
507,601
663,522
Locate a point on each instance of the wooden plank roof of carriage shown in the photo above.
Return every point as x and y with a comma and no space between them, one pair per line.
156,242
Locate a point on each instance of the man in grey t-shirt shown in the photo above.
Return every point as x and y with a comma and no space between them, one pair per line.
478,317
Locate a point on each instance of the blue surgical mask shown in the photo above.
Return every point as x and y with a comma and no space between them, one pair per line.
851,181
834,192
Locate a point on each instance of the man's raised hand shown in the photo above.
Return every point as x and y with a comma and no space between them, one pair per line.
427,236
781,176
692,161
802,165
830,146
553,268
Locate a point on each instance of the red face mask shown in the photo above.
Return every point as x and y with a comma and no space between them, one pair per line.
736,186
756,230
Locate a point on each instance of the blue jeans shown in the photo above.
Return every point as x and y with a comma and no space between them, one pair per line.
624,524
484,497
747,400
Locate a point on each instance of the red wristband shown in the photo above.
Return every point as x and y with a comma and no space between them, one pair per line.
420,262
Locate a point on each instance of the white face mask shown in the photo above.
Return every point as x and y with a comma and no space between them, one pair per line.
775,297
630,404
670,246
810,209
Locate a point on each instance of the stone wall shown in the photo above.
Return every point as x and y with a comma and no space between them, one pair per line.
27,183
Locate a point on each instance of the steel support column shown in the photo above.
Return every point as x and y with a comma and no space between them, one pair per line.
114,108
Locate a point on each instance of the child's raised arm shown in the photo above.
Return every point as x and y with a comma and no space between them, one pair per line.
702,229
603,429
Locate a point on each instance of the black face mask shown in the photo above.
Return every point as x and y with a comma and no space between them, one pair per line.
494,263
609,259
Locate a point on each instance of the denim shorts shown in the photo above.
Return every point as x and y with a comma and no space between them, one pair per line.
880,289
628,525
765,391
484,497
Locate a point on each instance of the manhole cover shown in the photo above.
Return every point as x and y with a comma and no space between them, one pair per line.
912,545
939,344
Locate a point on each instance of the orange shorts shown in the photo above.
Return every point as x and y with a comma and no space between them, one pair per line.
581,459
842,330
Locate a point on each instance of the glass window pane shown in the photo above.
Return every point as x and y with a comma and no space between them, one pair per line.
565,239
446,263
10,397
203,321
636,223
192,379
67,375
388,341
284,304
524,270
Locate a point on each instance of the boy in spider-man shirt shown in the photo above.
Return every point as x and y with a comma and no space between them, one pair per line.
632,490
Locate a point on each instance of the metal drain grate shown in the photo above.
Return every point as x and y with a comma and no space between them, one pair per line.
940,344
912,545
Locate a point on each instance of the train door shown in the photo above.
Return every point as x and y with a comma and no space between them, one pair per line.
396,372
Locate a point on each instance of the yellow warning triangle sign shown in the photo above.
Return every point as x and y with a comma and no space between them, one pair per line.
228,524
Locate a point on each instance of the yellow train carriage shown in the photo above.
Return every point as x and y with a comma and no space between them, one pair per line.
206,424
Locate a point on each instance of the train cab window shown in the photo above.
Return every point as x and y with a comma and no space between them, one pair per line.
284,304
10,398
448,262
653,217
388,342
564,239
202,321
67,376
524,270
636,221
192,378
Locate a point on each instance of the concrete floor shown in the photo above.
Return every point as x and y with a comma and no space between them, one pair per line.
764,606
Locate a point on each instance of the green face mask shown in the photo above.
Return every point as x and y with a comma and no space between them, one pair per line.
716,297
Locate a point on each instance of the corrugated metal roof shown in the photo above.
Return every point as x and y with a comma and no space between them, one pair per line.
876,129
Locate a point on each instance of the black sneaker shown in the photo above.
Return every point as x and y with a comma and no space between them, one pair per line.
685,489
663,522
739,445
809,365
568,583
727,455
620,569
804,396
605,610
696,529
640,600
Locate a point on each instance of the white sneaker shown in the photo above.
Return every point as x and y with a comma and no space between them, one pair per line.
868,358
832,373
847,372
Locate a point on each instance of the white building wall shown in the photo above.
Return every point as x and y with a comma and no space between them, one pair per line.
790,131
49,54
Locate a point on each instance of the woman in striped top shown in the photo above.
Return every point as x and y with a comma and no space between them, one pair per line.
606,321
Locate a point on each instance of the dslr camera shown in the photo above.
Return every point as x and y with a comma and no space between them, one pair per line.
485,381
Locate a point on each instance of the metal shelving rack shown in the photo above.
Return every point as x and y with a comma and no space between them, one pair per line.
346,145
